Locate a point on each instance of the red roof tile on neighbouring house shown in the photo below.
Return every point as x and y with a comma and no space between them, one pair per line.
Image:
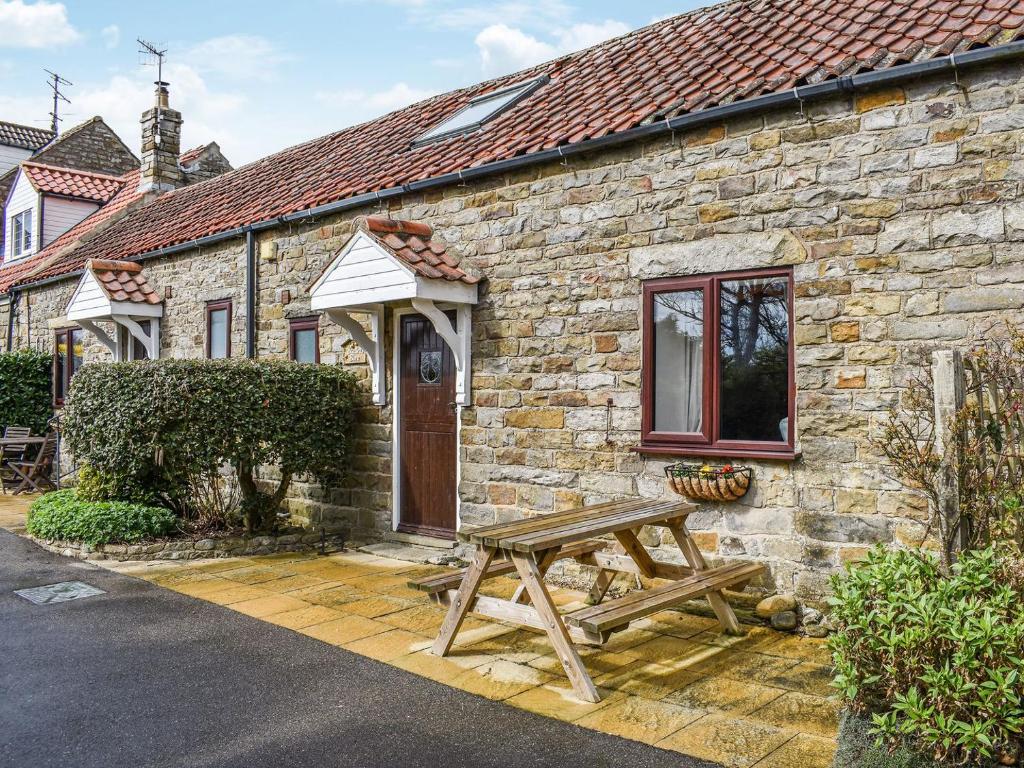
687,63
411,243
123,281
68,182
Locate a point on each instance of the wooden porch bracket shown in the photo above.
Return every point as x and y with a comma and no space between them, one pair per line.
372,347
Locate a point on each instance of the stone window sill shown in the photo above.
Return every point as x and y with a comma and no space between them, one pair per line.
700,451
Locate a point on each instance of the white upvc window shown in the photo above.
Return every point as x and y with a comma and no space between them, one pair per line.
21,233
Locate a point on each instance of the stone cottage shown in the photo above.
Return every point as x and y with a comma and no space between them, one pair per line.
728,237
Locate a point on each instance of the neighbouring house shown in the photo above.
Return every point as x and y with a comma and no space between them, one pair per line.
728,236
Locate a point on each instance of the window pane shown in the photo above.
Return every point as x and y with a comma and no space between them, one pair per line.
305,341
77,357
754,337
678,361
218,333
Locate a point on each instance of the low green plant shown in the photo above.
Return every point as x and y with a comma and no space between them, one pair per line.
95,485
63,515
25,397
934,659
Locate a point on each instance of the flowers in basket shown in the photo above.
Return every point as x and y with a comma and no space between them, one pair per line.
707,483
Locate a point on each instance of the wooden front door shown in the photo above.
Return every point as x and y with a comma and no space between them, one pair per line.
427,423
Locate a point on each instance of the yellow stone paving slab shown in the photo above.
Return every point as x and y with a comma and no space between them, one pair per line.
815,715
677,624
204,588
721,693
799,648
517,645
500,679
292,583
649,680
559,701
376,605
733,742
345,629
804,678
251,575
331,597
389,645
303,617
426,664
265,606
380,583
802,751
223,564
236,594
640,719
742,665
666,650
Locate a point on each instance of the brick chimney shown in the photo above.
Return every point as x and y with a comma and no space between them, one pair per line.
161,145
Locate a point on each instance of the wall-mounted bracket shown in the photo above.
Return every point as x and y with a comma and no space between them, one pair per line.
373,347
150,341
458,339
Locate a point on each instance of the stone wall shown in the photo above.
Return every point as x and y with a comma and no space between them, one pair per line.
91,146
900,212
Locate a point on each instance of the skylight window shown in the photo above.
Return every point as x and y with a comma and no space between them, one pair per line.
479,111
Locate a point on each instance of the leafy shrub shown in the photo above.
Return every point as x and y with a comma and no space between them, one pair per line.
25,398
935,659
63,515
94,485
159,425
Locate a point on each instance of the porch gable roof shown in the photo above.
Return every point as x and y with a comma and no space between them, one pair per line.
109,288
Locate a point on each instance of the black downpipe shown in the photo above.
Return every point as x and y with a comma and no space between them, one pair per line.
12,307
250,294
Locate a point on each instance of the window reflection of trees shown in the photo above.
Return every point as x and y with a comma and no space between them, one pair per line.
754,341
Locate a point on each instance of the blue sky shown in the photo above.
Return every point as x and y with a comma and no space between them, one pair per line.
259,76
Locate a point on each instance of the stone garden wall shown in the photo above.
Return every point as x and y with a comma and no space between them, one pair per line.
900,211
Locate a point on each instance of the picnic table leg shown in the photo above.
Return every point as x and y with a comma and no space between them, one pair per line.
521,595
556,631
463,599
600,587
726,616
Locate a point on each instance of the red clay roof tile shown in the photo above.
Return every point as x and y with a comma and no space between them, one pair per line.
698,60
122,281
404,240
68,182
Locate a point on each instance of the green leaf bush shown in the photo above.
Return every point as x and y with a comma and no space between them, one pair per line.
935,660
25,396
151,428
63,515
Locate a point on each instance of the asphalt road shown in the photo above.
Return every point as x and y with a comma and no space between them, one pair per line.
143,676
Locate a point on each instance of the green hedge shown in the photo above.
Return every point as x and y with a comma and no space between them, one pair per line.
935,660
25,396
151,427
62,515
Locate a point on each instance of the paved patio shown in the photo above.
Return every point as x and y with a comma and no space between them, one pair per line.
671,680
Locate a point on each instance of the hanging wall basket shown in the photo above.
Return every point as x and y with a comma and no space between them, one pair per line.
706,483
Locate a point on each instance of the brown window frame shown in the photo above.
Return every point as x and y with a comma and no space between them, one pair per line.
708,442
69,373
214,306
311,323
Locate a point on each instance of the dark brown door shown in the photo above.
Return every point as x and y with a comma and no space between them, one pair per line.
427,413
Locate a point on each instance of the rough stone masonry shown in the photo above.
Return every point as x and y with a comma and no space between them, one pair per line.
900,210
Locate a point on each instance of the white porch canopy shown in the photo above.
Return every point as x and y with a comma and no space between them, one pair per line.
117,292
396,261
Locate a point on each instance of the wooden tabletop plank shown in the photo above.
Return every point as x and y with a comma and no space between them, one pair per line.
502,530
565,534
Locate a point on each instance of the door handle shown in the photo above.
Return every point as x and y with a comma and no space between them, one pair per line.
453,405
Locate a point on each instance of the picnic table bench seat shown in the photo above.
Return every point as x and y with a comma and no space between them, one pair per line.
618,613
445,581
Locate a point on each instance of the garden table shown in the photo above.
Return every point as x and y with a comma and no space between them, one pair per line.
529,547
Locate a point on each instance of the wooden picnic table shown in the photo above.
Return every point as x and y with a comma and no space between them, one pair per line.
27,440
529,547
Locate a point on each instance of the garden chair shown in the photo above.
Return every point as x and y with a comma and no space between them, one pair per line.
11,452
36,473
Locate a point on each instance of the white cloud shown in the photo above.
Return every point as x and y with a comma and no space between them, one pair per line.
364,105
238,57
505,49
111,35
35,25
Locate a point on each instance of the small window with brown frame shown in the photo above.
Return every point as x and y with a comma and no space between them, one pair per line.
218,329
304,339
718,368
67,359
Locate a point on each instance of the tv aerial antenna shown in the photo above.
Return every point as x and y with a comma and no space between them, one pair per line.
152,53
55,82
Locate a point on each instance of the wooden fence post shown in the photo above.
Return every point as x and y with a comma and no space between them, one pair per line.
948,385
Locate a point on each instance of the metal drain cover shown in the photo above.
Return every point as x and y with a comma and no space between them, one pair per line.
58,593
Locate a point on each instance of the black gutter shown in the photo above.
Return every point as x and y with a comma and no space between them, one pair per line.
250,294
795,97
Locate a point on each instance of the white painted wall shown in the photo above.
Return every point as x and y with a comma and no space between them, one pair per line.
11,156
361,275
23,196
60,215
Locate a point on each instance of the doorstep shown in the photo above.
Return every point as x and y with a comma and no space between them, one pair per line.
670,680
